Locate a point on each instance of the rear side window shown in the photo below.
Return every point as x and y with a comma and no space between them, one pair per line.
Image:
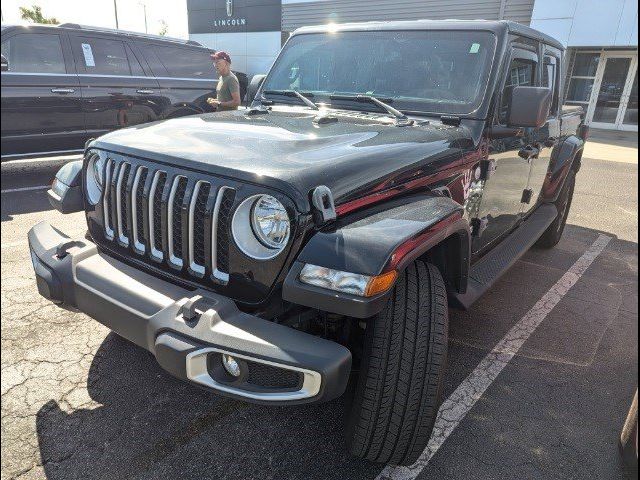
185,62
34,53
522,72
100,56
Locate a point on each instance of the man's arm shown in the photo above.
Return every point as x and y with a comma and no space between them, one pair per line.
234,89
234,102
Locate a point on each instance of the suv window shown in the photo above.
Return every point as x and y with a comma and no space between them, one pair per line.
185,62
550,79
522,72
34,53
105,57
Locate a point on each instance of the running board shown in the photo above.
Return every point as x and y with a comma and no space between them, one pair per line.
484,273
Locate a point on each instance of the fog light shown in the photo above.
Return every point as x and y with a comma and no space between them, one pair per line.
231,365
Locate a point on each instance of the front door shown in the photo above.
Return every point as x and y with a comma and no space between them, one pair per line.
501,203
616,90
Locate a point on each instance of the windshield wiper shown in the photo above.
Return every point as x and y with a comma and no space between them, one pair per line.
401,118
293,93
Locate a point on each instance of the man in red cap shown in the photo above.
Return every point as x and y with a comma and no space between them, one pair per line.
228,89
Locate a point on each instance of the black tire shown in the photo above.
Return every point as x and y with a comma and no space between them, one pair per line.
553,234
400,385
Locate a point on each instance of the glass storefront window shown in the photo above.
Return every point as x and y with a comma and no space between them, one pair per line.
586,64
580,89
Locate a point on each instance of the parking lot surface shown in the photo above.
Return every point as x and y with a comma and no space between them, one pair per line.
80,402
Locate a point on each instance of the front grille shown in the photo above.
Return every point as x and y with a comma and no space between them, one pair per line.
169,218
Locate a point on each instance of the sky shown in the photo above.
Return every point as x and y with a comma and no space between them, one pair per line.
101,13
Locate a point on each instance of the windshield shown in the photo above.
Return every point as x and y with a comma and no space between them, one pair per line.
420,71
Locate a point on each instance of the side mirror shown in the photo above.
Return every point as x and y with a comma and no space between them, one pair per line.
529,107
4,63
254,86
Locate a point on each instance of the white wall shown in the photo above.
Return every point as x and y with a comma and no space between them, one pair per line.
588,23
251,52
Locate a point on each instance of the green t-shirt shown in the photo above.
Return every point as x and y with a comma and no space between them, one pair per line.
226,86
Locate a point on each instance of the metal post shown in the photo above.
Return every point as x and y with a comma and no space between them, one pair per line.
115,10
146,30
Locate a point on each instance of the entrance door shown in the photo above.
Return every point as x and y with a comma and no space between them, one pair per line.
615,93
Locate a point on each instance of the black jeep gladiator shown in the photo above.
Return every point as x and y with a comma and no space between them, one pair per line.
383,172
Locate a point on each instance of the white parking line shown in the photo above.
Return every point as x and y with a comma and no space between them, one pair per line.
13,244
462,400
25,189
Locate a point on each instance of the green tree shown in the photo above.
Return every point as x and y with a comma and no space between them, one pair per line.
164,28
34,14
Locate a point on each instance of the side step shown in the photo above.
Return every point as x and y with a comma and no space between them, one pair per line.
484,273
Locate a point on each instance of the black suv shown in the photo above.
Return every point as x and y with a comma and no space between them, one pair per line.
62,85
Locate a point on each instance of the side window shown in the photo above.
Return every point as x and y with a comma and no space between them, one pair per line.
100,56
185,62
522,72
34,53
550,79
136,68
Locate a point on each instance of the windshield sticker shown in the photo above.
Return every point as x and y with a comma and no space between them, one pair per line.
475,48
88,55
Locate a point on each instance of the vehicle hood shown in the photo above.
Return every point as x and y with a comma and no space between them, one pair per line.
358,154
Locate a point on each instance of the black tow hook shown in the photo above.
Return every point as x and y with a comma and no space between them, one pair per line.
62,250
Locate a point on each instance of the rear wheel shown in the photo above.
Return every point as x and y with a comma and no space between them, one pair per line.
400,384
553,234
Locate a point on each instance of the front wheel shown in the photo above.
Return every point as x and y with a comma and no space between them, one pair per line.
401,376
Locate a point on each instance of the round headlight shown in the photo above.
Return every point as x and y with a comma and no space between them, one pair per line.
261,227
95,178
270,222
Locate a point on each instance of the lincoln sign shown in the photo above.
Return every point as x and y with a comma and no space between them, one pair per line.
229,16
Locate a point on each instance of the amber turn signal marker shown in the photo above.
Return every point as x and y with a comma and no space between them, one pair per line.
381,283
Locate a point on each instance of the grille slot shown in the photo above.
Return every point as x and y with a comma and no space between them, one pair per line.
137,209
121,203
169,217
155,214
220,243
106,200
197,212
174,221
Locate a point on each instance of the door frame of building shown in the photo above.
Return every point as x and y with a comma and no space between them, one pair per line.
633,66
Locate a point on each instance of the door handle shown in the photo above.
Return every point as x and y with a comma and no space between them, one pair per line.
62,90
142,91
528,152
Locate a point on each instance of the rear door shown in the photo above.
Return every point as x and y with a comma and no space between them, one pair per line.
546,138
501,203
186,75
116,91
41,104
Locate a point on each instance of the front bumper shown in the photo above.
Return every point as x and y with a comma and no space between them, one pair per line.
188,330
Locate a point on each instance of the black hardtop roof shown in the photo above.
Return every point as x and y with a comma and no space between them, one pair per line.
496,26
109,31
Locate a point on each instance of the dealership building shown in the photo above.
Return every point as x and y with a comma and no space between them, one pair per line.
601,37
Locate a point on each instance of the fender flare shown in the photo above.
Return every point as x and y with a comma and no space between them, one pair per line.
563,159
384,238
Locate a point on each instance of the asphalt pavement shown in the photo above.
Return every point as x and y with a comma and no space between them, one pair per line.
78,402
